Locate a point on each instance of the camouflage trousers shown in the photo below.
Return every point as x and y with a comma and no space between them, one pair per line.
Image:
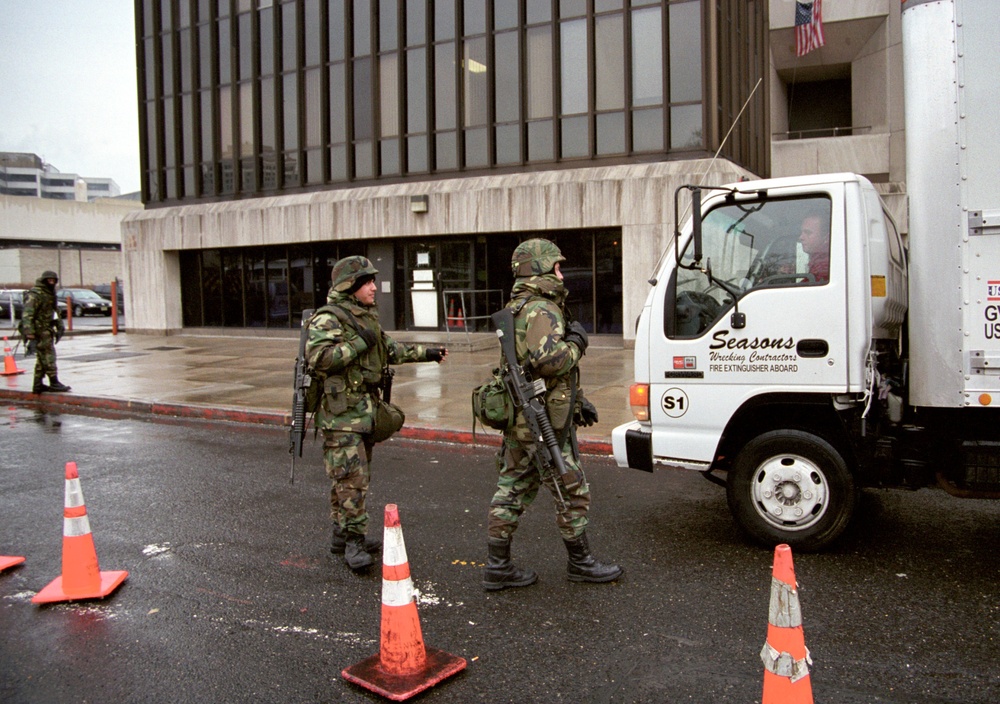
520,480
45,356
347,458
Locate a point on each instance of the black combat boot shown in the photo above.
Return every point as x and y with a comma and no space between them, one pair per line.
55,385
582,567
337,545
354,552
500,572
39,387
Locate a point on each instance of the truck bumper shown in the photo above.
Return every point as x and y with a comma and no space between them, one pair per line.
633,446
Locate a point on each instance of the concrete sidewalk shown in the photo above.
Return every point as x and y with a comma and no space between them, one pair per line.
247,378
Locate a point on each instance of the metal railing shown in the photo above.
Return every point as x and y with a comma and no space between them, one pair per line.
468,310
822,132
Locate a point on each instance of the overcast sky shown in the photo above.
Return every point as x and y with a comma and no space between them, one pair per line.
67,86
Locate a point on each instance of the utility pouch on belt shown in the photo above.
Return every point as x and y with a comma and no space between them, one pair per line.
492,404
389,418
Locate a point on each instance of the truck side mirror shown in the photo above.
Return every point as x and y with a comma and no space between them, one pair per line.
696,223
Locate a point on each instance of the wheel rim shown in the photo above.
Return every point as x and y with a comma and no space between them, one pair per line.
790,492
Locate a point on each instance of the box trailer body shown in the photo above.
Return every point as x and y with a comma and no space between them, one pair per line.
804,372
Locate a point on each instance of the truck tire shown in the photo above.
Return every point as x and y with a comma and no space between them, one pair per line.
793,487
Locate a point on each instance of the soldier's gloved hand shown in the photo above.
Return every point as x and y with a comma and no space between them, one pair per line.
369,336
586,414
436,354
576,334
29,349
58,333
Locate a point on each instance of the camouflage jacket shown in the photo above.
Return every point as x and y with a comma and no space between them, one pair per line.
349,369
539,326
39,315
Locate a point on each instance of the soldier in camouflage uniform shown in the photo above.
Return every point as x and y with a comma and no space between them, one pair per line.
549,349
42,328
349,350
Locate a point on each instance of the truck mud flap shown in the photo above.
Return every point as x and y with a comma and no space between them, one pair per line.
639,450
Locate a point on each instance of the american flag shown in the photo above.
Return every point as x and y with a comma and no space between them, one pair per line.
808,27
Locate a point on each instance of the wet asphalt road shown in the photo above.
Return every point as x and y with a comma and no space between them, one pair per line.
232,596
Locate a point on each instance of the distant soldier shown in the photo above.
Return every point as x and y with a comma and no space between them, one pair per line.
42,328
549,349
348,348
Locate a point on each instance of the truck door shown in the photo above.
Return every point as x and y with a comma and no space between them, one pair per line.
764,312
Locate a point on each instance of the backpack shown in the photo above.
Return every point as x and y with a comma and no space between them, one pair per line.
492,404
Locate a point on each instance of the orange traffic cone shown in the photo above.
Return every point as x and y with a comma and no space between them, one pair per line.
81,576
9,365
8,561
460,317
404,667
452,320
786,658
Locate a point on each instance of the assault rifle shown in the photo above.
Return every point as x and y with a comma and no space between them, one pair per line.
528,398
386,384
300,385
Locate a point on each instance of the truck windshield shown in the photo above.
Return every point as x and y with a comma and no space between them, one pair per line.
749,245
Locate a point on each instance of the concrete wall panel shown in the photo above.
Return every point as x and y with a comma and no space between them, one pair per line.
637,198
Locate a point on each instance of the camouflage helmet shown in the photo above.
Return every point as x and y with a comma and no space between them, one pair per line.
348,270
535,257
49,275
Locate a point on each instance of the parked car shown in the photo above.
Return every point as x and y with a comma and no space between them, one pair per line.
16,297
85,301
104,291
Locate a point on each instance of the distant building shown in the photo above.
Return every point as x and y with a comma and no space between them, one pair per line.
23,174
57,221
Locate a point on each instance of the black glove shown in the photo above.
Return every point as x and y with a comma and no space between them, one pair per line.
436,354
369,336
577,335
29,348
586,414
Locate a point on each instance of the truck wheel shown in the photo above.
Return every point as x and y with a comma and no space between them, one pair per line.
790,486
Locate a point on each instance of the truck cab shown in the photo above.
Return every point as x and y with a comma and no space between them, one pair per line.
774,321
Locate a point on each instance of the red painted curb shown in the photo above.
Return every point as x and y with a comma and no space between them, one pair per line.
255,417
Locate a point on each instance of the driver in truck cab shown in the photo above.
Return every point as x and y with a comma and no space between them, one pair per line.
815,239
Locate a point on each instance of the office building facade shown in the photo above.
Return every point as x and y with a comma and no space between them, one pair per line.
431,136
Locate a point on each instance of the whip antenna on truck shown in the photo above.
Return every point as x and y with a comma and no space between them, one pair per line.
679,217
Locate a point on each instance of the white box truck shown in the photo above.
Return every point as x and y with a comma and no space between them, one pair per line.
795,349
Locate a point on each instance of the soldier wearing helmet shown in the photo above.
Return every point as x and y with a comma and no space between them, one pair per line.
348,349
550,349
42,328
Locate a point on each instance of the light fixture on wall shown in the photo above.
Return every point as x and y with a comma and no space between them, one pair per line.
418,204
